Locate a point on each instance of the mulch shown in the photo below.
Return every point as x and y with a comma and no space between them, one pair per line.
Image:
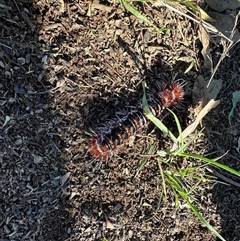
66,68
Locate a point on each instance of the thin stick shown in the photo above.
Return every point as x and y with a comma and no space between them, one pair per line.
5,6
4,45
226,48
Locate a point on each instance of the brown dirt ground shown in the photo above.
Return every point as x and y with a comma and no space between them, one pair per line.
62,73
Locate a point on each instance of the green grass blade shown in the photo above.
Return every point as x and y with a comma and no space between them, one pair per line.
137,14
203,220
193,188
192,63
172,184
162,175
178,126
183,147
189,170
144,161
104,239
212,162
185,196
155,120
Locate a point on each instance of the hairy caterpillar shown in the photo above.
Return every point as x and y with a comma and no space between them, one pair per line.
104,143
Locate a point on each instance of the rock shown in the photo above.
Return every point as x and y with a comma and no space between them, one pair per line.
222,5
21,61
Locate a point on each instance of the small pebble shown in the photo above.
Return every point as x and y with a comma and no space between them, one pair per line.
21,61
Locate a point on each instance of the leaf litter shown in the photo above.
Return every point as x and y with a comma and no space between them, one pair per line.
50,189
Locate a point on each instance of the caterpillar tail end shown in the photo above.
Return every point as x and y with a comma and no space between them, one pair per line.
98,151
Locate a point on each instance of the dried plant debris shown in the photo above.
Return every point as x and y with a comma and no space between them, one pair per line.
68,66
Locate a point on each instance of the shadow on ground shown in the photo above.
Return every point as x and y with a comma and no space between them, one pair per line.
33,172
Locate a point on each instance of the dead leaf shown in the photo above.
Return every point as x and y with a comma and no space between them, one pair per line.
64,178
212,90
108,223
198,89
205,16
202,93
204,38
235,100
191,128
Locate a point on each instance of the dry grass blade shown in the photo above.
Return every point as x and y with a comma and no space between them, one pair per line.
191,128
227,45
206,25
136,13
